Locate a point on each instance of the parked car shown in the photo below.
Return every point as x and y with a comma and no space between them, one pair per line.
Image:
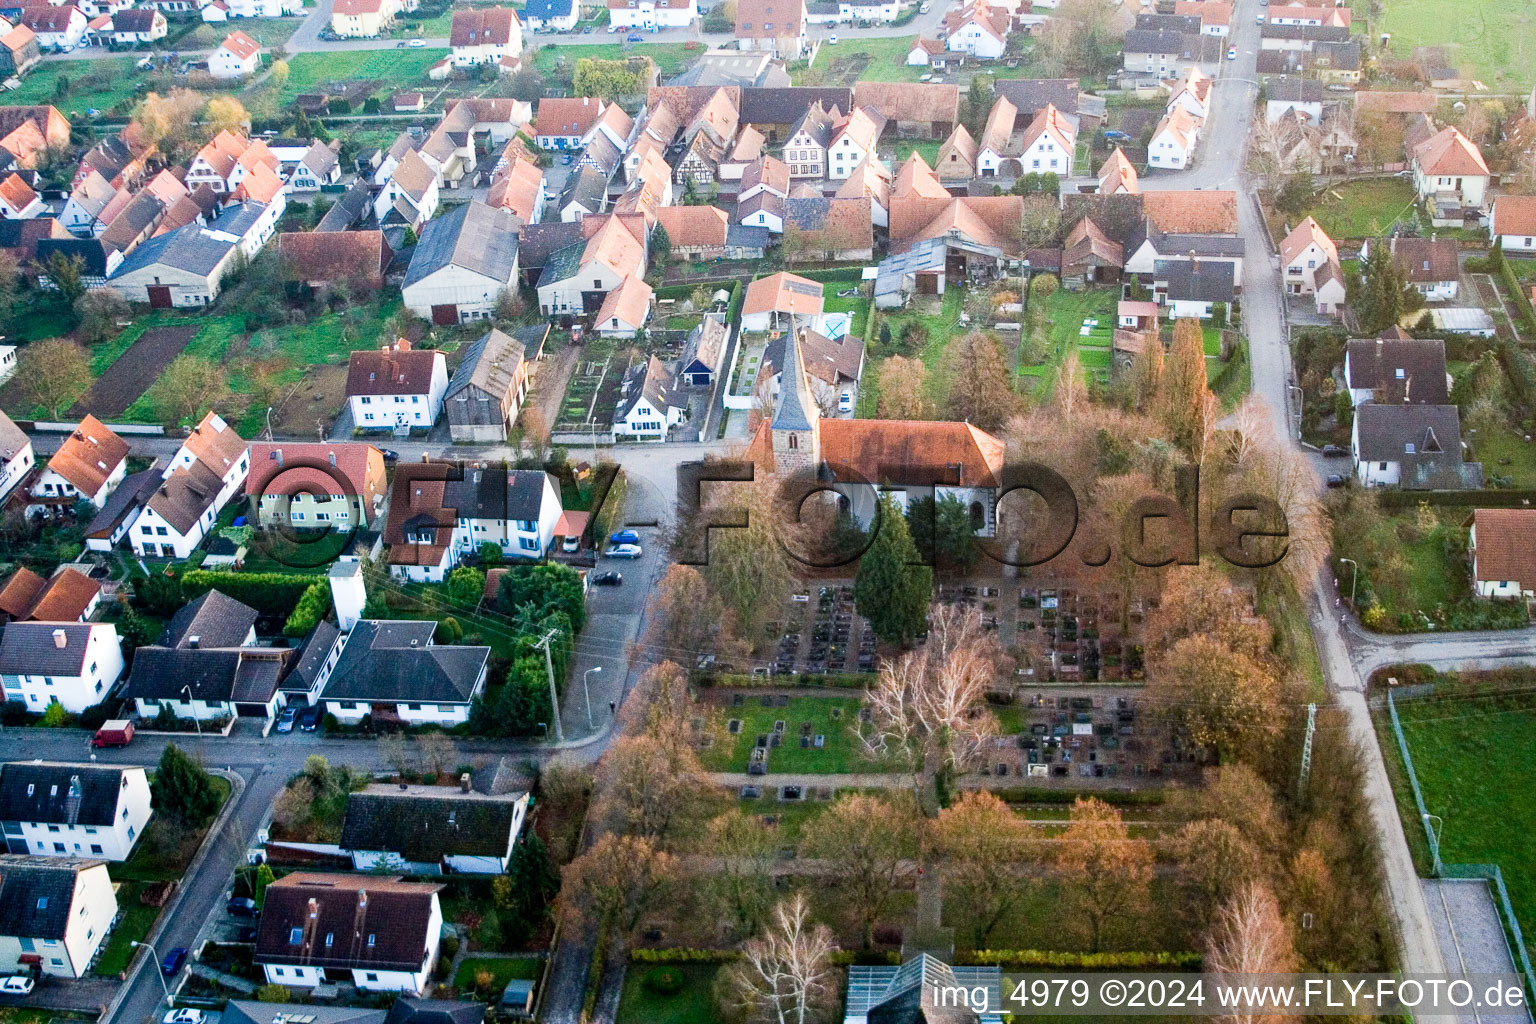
566,160
1337,480
611,578
309,718
173,961
570,544
922,8
390,455
286,719
832,40
1333,451
1117,136
16,985
612,29
625,551
241,906
418,43
634,37
185,1015
116,733
1260,17
1231,53
400,45
845,401
625,537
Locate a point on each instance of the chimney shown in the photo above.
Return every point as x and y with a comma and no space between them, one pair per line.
194,641
279,458
425,458
333,460
60,639
464,782
1194,261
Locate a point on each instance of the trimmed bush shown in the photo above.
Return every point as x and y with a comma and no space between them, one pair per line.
312,607
663,981
1130,961
271,593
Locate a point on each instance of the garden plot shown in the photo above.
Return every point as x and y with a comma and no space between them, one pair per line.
595,388
134,371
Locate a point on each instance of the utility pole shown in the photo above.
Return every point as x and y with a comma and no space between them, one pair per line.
1306,752
554,698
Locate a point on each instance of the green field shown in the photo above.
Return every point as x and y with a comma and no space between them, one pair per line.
502,969
1507,454
1470,755
840,754
1491,41
942,319
394,68
99,84
1066,312
670,58
1363,209
693,1005
266,31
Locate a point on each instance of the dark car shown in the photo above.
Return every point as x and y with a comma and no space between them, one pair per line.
1337,480
1333,451
390,455
241,906
634,37
309,718
245,933
173,961
285,720
625,537
610,578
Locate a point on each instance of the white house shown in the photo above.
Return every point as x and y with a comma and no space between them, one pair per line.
485,35
186,267
18,200
1290,96
1193,91
1406,445
73,663
1050,143
652,14
427,829
59,912
439,512
772,301
396,387
1173,140
625,309
1513,223
89,465
463,264
16,456
138,25
200,479
1502,543
314,170
550,15
853,141
393,670
57,809
239,56
57,27
979,30
378,931
1304,252
652,404
411,192
579,277
1448,167
563,122
1432,265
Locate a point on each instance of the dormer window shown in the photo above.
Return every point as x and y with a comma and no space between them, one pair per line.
1410,448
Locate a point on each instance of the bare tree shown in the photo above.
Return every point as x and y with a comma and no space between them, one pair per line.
785,975
1104,871
1250,937
394,751
644,788
54,373
618,880
437,751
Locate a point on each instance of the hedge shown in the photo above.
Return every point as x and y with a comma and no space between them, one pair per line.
1121,797
1522,300
682,955
312,607
271,593
1484,498
1131,961
841,680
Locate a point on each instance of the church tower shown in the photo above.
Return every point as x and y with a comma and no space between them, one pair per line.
796,426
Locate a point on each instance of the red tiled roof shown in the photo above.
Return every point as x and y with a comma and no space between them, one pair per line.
241,45
89,455
1506,545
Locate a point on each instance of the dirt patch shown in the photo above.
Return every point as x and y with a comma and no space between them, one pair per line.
313,404
134,371
549,384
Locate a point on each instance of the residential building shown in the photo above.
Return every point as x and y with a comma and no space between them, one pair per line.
57,28
463,264
27,133
1502,545
54,914
137,25
1215,16
625,309
777,26
317,168
1449,171
1117,176
775,301
410,194
1394,369
1192,288
550,15
440,511
1173,140
90,463
1302,96
201,479
376,930
652,14
806,149
920,111
116,516
1305,252
59,809
69,595
764,211
519,190
562,123
774,111
362,19
16,456
651,405
74,664
1300,38
703,352
1301,14
1157,53
830,229
1512,225
18,200
396,387
1416,447
315,485
395,672
238,56
585,194
488,388
485,35
1431,265
578,278
428,829
853,141
977,29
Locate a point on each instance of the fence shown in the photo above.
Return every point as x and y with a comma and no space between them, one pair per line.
1490,872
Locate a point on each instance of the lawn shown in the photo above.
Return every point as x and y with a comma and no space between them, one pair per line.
1066,311
670,58
133,923
393,68
887,59
1362,209
1037,922
1469,755
501,968
1507,454
272,32
99,84
693,1005
832,717
942,320
1488,40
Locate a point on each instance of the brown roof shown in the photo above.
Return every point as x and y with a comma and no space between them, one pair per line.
1396,102
876,450
183,497
630,302
916,179
903,101
1506,545
89,455
48,18
770,172
836,224
1426,260
17,38
333,255
1303,235
18,195
780,292
215,443
392,370
693,225
416,501
64,598
567,116
1192,211
1117,174
241,45
519,188
987,220
959,151
1449,152
312,468
413,174
20,593
378,921
486,26
1087,244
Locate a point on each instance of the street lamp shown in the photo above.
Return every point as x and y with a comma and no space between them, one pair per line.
1300,407
1434,837
196,722
158,972
1354,577
588,693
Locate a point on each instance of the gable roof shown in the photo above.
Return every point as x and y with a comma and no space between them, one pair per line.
388,660
1400,369
1306,234
769,19
520,189
1192,211
839,224
375,921
333,255
475,237
311,468
994,221
1514,215
693,225
1449,152
567,115
493,26
1506,545
1086,243
1117,174
63,597
391,370
999,127
784,106
783,292
241,45
1426,260
1391,102
629,303
1433,432
768,171
37,894
427,823
60,793
88,455
18,195
1197,280
916,178
491,363
651,382
889,450
1049,121
31,648
213,620
903,101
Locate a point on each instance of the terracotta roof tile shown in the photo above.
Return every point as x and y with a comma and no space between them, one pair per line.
782,292
630,303
1506,545
89,455
693,225
241,45
1192,211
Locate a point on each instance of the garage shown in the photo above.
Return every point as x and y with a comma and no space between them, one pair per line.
159,296
445,315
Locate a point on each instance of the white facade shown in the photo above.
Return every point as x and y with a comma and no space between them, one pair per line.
1372,474
108,842
1301,272
474,294
1492,588
15,469
224,63
844,157
351,712
304,976
202,710
50,484
882,11
1469,189
425,205
1047,156
647,422
517,538
566,296
92,909
386,412
1170,149
976,40
155,537
648,14
1188,308
101,664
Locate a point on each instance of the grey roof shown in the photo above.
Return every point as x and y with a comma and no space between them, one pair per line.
747,236
312,654
214,675
651,381
391,660
55,793
536,243
190,248
547,9
563,263
319,158
28,648
215,619
349,210
479,238
602,154
434,1011
1404,369
12,438
37,894
1228,246
128,496
705,345
1296,90
426,827
790,411
587,188
1032,94
817,122
785,106
1341,56
769,202
1185,24
1150,40
242,1011
495,493
1315,33
93,255
1210,281
1425,440
490,363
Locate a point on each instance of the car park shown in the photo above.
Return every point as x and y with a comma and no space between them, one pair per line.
625,537
625,551
286,719
17,985
309,718
173,961
611,578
